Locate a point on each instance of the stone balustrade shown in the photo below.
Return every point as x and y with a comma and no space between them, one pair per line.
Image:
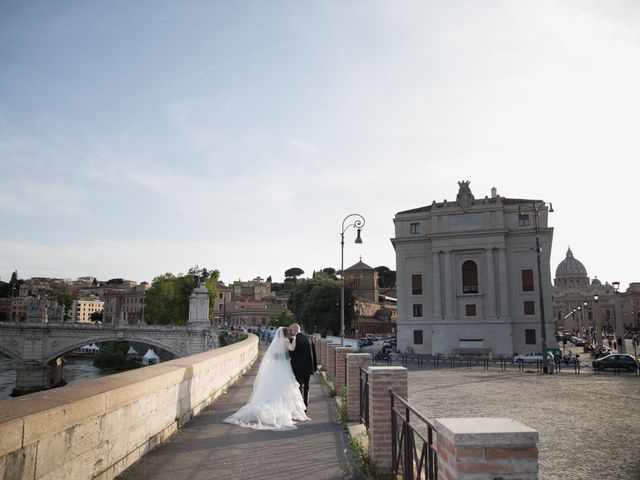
97,428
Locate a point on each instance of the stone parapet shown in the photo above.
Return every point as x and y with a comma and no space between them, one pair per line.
486,449
355,361
97,428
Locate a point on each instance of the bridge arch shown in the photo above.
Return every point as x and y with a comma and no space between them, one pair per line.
71,346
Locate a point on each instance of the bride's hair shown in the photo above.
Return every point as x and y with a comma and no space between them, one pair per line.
285,332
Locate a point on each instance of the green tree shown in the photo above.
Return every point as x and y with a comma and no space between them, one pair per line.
66,300
292,274
96,316
283,319
386,277
113,357
167,300
316,305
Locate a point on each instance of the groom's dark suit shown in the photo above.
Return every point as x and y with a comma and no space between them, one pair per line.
303,363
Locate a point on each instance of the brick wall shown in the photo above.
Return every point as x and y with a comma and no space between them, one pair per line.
341,367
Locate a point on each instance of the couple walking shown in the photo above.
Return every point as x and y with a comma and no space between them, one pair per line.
281,389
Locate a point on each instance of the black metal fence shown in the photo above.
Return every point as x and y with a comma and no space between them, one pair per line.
483,362
412,442
364,397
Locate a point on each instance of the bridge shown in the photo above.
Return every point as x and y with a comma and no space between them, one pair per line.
38,346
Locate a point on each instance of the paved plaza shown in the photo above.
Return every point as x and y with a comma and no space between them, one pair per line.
589,425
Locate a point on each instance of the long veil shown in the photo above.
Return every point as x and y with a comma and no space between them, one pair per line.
276,402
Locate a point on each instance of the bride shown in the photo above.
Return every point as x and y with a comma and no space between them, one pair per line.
276,402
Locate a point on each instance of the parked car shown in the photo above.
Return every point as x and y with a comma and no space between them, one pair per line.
373,337
532,357
622,361
579,342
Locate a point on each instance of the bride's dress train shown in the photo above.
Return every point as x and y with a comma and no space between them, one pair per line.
276,402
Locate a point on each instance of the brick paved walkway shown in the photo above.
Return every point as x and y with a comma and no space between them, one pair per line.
589,425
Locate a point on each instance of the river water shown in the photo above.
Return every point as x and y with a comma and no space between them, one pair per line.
76,369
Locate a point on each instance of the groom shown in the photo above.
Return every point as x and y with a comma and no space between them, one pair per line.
303,360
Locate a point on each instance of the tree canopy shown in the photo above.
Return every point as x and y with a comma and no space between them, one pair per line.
167,301
386,277
316,305
293,273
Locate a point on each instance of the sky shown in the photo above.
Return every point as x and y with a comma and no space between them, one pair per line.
138,138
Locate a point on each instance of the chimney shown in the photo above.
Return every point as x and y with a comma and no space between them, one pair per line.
494,192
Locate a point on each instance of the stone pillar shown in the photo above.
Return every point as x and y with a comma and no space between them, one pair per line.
381,380
331,361
437,290
355,361
449,287
491,283
320,351
325,354
341,367
199,308
503,282
33,377
486,449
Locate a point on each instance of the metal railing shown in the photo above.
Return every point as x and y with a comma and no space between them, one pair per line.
414,456
364,397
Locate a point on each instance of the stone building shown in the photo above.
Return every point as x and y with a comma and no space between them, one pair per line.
124,304
467,275
375,313
83,308
250,314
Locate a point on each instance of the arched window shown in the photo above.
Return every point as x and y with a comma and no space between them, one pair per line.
469,277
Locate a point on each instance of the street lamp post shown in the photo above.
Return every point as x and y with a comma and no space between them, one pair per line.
358,223
596,322
536,221
618,317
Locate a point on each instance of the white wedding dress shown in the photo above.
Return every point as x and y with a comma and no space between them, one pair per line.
276,402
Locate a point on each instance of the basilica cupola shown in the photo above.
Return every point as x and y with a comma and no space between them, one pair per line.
571,273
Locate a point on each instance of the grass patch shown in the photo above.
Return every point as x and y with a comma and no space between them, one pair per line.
342,408
329,386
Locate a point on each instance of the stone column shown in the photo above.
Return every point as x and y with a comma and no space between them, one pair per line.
437,288
355,361
199,308
486,449
449,287
331,361
341,367
381,380
491,284
504,286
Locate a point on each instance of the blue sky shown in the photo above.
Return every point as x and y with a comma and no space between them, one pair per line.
143,137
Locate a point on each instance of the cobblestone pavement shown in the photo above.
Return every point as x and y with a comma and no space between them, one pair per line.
588,425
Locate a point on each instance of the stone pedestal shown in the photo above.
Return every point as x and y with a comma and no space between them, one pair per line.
486,449
199,308
33,377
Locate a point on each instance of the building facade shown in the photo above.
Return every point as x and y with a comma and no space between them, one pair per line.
467,276
82,309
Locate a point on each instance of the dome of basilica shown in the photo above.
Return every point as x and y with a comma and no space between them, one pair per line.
570,266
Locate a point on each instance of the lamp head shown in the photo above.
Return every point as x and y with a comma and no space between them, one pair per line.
616,286
358,239
595,297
